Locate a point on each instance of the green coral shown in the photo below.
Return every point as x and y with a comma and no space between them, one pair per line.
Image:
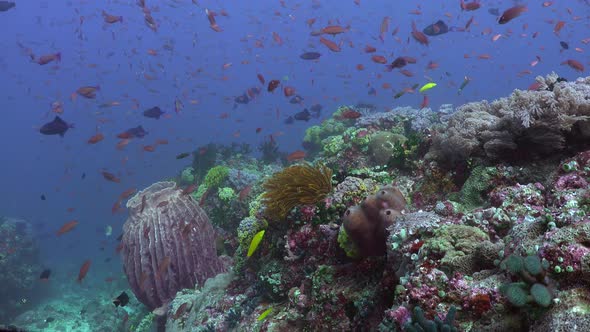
145,324
421,323
201,190
346,244
315,134
333,144
533,289
216,176
457,244
226,194
187,175
383,144
478,183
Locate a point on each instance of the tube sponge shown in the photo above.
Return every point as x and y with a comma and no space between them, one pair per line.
366,224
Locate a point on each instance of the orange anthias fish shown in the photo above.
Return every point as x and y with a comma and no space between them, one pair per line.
332,46
96,138
297,155
83,270
67,227
108,18
419,36
574,64
88,91
334,30
511,13
45,59
212,23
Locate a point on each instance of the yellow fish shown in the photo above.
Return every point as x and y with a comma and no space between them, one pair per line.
264,314
427,86
255,242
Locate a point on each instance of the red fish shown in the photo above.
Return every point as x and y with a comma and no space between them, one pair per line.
96,138
244,193
88,91
379,59
110,177
425,102
189,189
334,30
297,155
419,36
127,193
212,23
576,65
67,227
289,91
470,5
143,203
332,46
108,18
370,49
83,270
45,59
260,78
511,13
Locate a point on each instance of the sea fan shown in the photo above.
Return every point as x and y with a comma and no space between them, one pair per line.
296,185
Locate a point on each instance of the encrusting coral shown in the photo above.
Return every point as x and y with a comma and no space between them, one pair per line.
296,185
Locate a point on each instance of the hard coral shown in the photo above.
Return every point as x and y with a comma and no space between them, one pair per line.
526,125
296,185
366,224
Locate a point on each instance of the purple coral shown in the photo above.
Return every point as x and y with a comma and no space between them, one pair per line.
168,244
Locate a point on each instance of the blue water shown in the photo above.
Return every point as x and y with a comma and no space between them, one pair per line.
116,57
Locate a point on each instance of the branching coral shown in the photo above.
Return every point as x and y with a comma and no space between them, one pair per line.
296,185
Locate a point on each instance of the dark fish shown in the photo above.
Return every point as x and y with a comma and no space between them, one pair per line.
310,56
83,176
138,132
289,120
316,108
243,99
6,5
304,115
182,155
43,197
121,300
399,62
436,29
49,319
494,11
45,274
55,127
154,113
120,237
564,45
372,92
297,99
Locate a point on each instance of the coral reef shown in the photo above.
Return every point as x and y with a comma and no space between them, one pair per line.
168,244
466,241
